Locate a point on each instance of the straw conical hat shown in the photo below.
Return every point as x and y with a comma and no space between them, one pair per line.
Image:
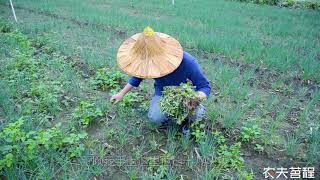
149,54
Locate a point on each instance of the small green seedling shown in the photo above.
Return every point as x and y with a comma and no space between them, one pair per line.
250,133
258,148
198,130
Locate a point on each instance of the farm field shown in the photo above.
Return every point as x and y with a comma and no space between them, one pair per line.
58,71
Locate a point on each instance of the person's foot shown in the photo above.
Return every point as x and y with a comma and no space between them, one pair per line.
165,124
185,128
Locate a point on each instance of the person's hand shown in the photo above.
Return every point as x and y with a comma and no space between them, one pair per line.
202,95
116,98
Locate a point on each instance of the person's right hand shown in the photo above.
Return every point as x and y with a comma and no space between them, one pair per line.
116,98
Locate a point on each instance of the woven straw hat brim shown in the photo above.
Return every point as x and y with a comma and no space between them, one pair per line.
144,65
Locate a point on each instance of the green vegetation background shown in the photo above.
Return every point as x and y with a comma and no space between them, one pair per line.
262,61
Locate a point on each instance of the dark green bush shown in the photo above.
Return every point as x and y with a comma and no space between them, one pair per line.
5,27
286,3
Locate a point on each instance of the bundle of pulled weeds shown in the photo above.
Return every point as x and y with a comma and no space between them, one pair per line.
179,102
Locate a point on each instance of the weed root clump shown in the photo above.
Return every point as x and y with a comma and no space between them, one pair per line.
179,102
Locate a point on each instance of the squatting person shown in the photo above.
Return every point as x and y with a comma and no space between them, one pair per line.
159,56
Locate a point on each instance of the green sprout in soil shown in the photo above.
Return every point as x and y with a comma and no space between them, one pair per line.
179,102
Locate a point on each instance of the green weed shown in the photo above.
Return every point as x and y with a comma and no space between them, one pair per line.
197,130
228,157
106,79
259,148
179,102
22,147
130,100
247,175
250,133
87,112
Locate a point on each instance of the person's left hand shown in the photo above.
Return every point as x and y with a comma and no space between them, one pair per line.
202,95
116,98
